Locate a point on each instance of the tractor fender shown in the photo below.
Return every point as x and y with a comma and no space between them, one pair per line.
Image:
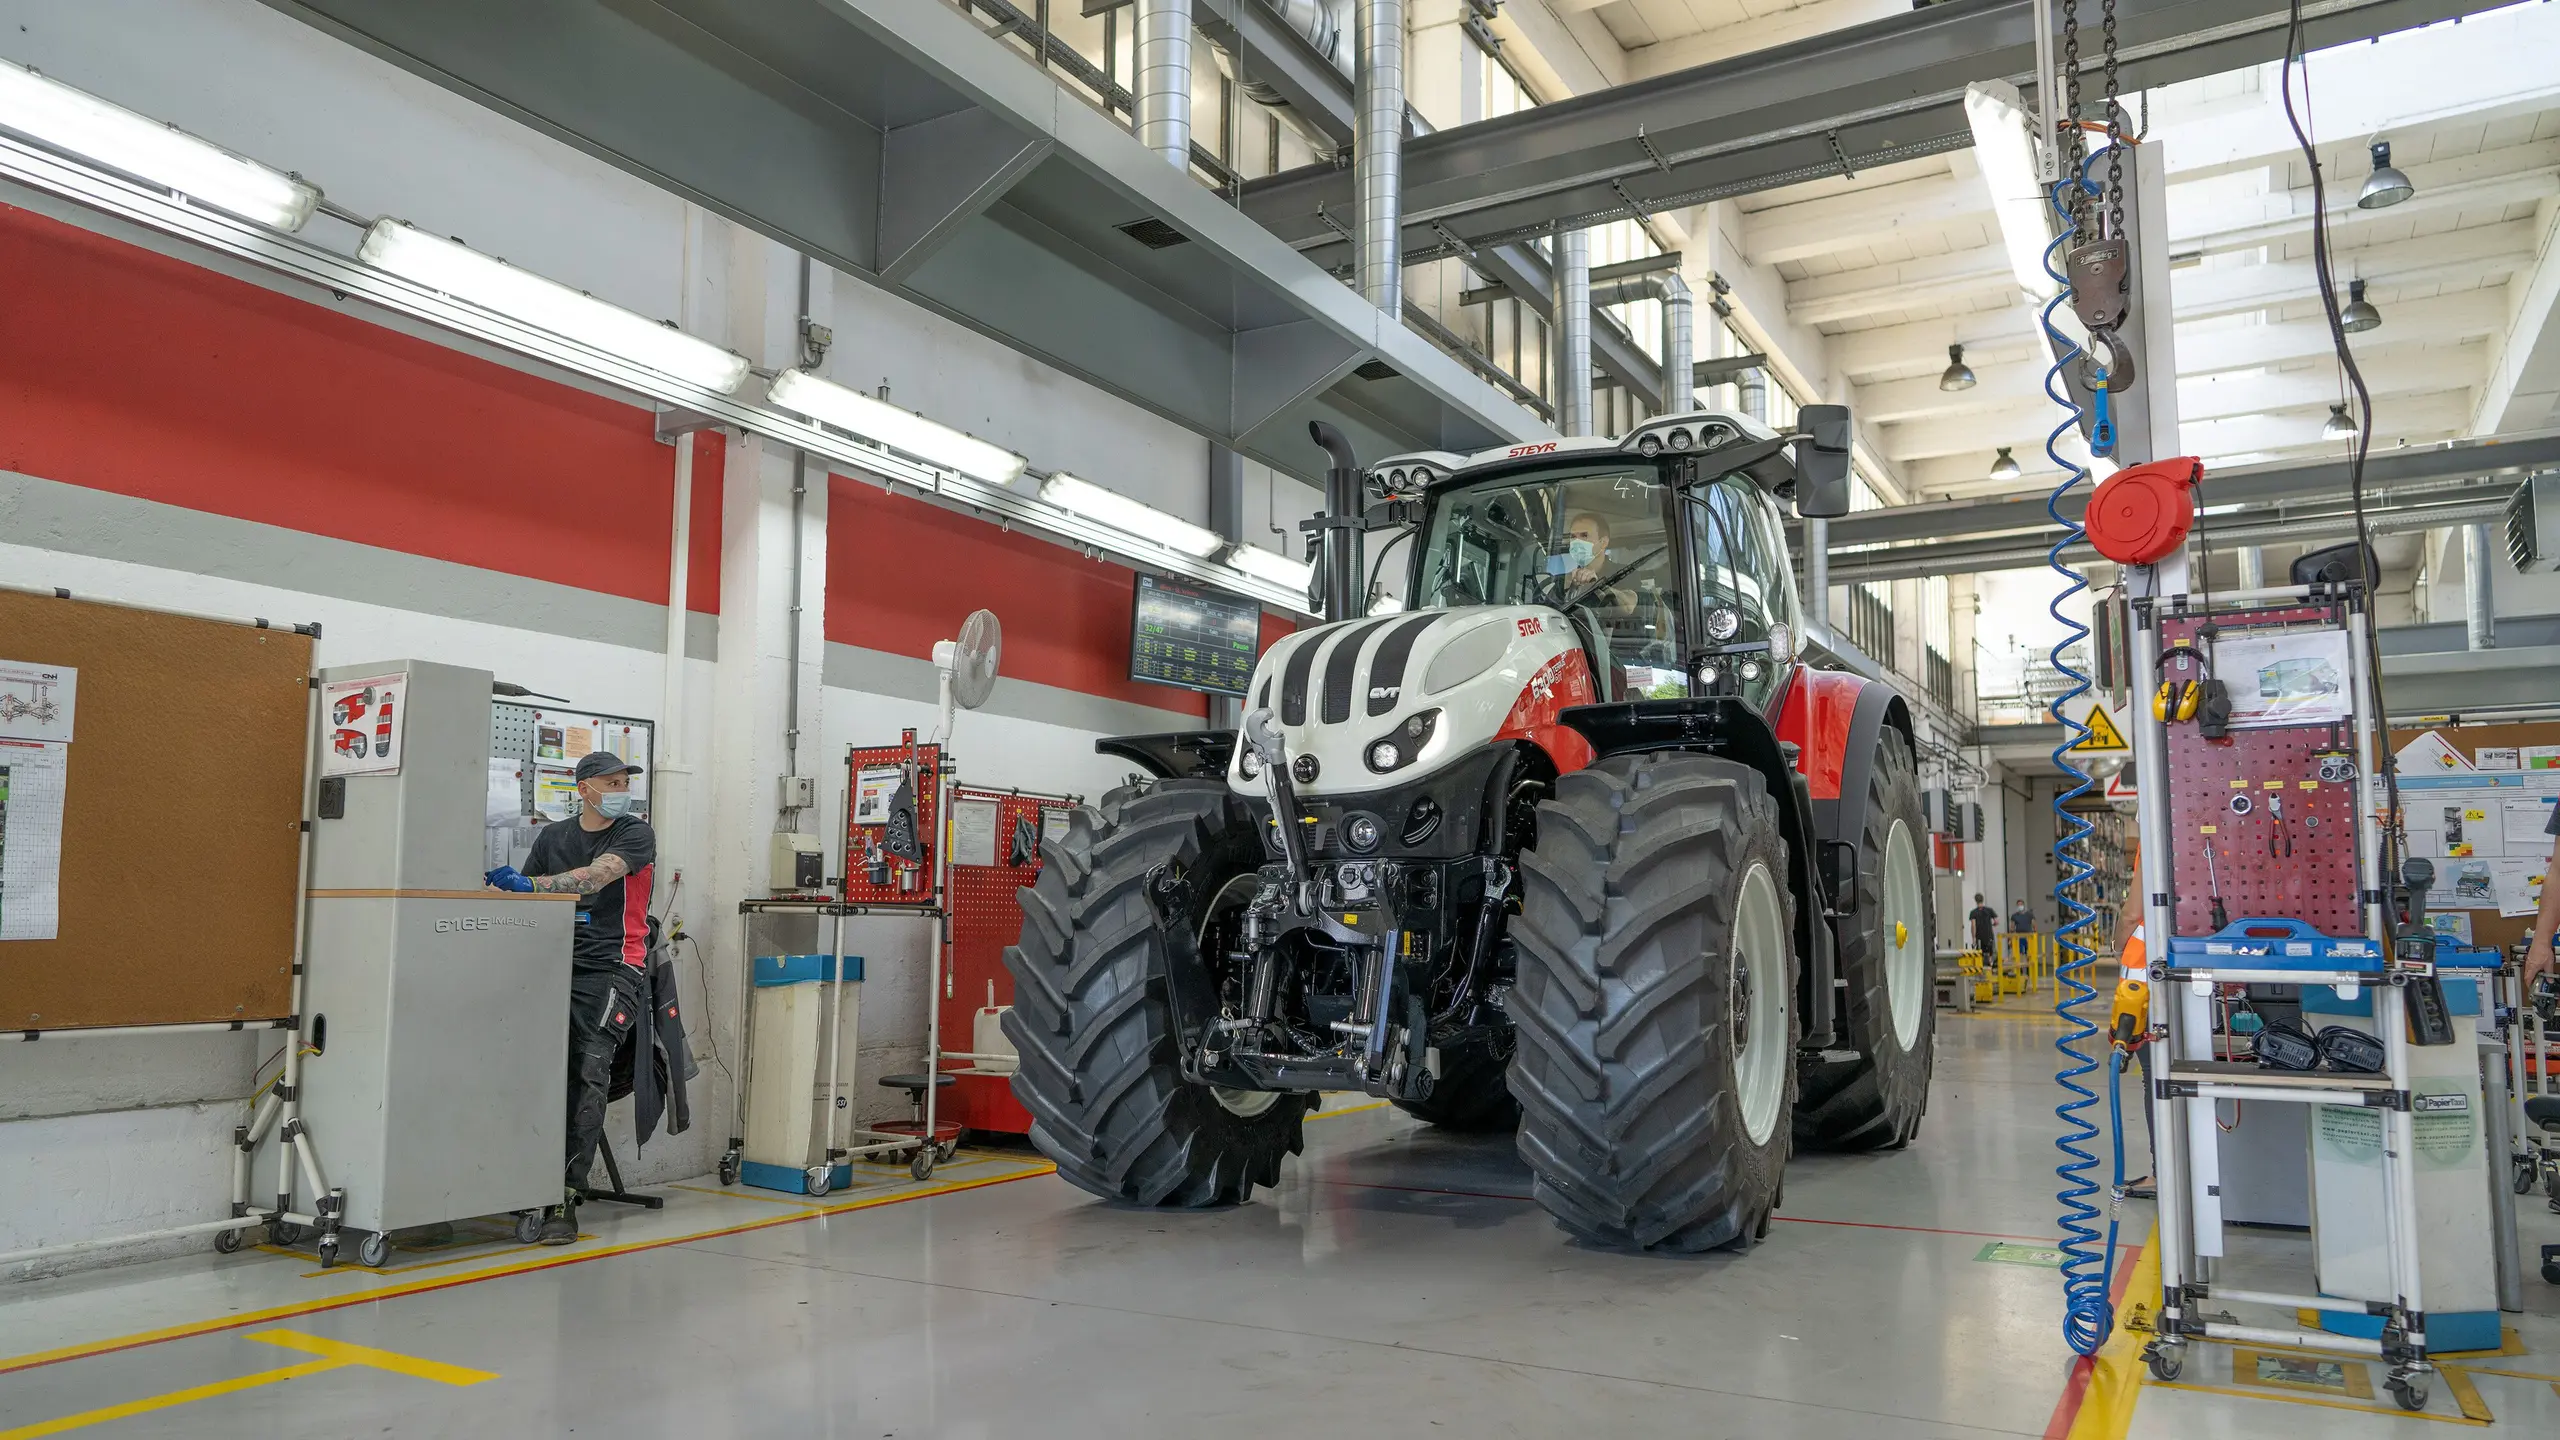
1175,755
1834,720
1727,726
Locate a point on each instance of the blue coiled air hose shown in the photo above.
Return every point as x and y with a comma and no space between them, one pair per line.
2088,1312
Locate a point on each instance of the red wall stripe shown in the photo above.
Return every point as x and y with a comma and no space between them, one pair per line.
902,574
133,372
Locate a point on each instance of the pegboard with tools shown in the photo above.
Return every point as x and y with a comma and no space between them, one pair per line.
996,837
2263,817
893,824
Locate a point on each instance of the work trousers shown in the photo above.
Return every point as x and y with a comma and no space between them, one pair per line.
604,1006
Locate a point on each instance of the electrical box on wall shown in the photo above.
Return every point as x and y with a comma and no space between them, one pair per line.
799,792
799,864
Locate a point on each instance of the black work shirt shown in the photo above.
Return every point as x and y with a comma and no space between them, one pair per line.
1984,918
613,923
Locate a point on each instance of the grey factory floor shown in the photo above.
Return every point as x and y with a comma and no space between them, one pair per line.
1396,1282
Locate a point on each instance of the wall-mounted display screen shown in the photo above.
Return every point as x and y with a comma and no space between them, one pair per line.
1195,638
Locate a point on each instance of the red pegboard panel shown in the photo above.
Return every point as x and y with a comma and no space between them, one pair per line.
862,840
986,917
2259,876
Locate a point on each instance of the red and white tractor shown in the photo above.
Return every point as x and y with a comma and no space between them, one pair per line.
1578,843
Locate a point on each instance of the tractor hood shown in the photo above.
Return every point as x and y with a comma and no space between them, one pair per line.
1428,686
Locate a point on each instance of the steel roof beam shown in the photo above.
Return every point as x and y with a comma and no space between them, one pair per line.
1834,104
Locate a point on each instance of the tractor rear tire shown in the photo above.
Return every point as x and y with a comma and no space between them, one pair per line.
1655,1003
1875,1101
1093,1018
1473,1094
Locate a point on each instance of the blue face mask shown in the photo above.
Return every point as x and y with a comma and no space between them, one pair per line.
614,804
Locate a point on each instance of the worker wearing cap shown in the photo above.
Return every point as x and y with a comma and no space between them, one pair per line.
608,857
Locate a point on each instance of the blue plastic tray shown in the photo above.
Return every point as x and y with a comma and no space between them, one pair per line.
2270,944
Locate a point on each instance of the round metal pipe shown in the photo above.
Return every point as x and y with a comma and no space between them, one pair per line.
1164,79
1377,153
1572,271
2479,590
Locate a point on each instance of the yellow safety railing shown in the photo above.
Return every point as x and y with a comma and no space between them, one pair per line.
2025,966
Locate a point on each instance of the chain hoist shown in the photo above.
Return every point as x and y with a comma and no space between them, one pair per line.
2099,269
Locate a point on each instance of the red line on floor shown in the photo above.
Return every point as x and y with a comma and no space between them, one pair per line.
2075,1390
1780,1219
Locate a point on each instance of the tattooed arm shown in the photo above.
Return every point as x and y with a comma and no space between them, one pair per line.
586,879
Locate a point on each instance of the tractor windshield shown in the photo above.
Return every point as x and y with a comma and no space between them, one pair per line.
1595,543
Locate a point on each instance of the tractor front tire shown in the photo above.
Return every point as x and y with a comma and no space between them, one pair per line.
1473,1092
1093,1017
1655,1003
1888,952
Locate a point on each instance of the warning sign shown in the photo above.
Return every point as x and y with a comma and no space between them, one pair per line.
2105,733
2120,786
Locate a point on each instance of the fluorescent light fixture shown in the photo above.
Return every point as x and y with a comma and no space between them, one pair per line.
55,115
458,270
1119,511
2006,150
899,429
1270,565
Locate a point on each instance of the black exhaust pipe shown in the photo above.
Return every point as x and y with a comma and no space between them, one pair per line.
1341,528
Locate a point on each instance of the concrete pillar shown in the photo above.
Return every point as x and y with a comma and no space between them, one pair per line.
773,589
2479,588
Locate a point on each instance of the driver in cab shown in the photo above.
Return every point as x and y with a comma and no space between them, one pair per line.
1586,554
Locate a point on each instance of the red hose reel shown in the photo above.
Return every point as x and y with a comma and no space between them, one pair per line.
2140,515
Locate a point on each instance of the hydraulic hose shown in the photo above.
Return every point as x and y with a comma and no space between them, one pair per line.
2088,1312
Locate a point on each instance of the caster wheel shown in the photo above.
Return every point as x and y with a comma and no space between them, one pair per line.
728,1169
328,1251
921,1166
285,1232
374,1250
2524,1177
528,1226
822,1178
948,1149
2409,1395
2166,1364
226,1242
2551,1272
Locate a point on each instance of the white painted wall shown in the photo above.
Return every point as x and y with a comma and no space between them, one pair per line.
107,1136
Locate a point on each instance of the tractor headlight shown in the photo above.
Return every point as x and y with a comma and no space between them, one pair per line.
1782,643
1395,479
1383,755
1679,438
1249,765
1649,446
1723,623
1751,670
1361,833
1707,677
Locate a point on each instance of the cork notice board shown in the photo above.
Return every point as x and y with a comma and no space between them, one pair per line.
181,828
2488,927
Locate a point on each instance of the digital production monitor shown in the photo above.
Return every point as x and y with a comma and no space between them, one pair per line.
1194,638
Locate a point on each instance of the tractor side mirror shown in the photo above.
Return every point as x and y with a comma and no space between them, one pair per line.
1822,462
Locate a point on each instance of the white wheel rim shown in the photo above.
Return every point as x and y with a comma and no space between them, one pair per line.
1906,935
1247,1103
1760,1000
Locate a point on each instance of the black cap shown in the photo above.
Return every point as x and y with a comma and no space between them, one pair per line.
597,763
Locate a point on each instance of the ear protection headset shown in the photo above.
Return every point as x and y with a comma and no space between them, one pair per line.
2178,698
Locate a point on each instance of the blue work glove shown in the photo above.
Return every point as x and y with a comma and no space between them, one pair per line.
506,878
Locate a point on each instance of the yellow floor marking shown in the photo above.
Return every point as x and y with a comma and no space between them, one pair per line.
2465,1395
2115,1383
333,1355
365,1355
565,1256
1348,1110
2392,1412
742,1195
131,1408
2513,1374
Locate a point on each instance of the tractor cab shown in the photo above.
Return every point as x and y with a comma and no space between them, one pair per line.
1668,559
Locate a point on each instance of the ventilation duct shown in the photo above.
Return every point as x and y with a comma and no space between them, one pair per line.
1377,156
1163,48
1679,330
